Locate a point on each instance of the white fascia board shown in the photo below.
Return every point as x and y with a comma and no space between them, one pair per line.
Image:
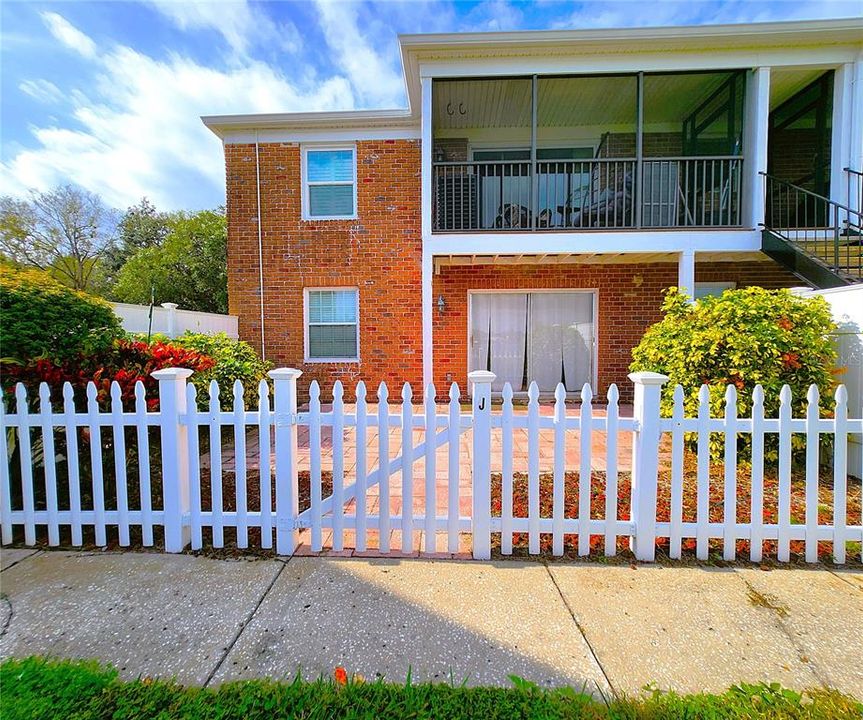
244,137
353,120
695,34
647,241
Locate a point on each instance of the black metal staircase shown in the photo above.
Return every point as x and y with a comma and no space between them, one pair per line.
819,240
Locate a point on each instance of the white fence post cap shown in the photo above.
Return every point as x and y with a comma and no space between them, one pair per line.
648,378
172,373
170,306
481,376
284,373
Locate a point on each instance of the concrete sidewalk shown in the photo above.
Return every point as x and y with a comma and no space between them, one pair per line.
604,627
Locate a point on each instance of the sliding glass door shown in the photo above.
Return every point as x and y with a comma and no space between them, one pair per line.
547,337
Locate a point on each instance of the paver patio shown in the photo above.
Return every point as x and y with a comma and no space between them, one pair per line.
520,464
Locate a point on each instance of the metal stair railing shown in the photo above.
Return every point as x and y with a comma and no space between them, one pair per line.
825,230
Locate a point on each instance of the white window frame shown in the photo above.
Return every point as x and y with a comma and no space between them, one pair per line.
304,181
306,355
722,286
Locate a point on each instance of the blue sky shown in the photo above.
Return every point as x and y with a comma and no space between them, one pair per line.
108,95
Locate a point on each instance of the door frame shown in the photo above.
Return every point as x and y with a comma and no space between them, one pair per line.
594,360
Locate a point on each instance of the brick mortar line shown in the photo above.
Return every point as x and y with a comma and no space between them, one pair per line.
593,652
245,623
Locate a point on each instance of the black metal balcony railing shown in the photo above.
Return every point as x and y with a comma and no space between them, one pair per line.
825,230
601,193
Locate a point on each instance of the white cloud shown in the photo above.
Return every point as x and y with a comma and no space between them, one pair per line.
137,129
69,35
377,80
241,25
42,90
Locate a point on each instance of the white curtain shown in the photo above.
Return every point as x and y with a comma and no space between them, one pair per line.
561,340
480,329
498,333
508,335
556,329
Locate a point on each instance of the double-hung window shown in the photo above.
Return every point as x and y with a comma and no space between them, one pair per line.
332,324
329,182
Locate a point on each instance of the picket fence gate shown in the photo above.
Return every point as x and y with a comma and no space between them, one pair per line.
183,515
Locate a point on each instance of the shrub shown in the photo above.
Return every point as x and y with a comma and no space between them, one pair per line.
233,360
125,361
40,318
744,338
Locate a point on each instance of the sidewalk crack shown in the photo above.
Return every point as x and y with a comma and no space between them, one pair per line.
245,623
580,629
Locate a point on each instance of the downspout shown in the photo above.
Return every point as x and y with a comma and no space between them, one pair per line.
260,241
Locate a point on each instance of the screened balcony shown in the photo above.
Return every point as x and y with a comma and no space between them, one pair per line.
588,152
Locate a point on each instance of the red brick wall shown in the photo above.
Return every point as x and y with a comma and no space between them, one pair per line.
629,297
380,253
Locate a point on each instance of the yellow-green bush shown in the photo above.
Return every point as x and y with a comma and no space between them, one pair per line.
744,338
40,318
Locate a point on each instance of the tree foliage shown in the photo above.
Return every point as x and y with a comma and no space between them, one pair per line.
188,268
744,338
40,317
142,226
66,232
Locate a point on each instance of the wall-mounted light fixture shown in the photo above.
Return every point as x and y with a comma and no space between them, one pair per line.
441,304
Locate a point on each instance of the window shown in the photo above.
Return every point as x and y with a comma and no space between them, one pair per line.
714,288
332,324
329,183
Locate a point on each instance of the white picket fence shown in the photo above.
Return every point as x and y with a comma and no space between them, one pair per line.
183,515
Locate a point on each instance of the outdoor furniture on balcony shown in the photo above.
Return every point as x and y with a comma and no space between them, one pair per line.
600,193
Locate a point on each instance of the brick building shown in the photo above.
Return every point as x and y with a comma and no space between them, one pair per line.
542,191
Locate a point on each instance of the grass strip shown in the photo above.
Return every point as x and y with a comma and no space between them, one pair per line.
40,687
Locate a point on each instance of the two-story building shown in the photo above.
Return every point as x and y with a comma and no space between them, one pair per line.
527,211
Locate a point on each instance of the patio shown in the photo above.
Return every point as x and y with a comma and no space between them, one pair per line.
520,465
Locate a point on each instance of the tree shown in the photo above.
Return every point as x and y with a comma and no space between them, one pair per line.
142,226
65,232
188,268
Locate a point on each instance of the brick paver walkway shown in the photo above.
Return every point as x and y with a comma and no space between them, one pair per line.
520,464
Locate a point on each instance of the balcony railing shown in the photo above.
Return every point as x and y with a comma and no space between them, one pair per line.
601,193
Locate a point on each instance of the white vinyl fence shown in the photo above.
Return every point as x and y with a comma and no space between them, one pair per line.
169,320
195,506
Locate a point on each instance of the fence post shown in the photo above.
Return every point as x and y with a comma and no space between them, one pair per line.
645,462
175,456
172,318
481,463
287,483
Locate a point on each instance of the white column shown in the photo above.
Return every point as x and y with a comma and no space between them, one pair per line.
856,149
755,127
426,225
175,456
426,134
172,318
840,145
645,461
686,273
287,456
428,316
481,381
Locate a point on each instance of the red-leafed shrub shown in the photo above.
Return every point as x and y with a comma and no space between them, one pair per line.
126,362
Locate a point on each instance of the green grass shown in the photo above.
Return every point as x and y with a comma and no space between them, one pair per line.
45,688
